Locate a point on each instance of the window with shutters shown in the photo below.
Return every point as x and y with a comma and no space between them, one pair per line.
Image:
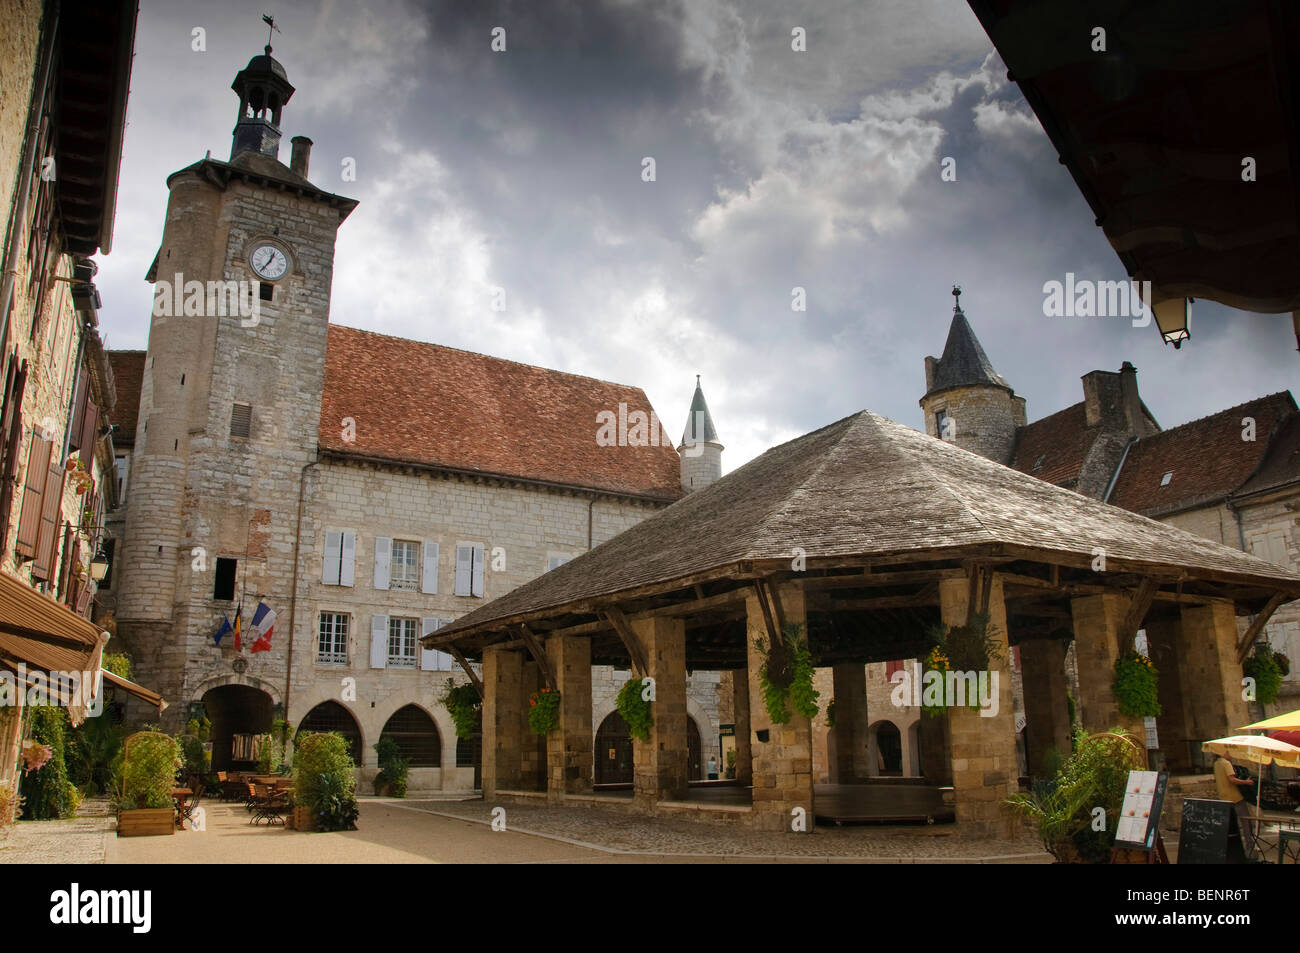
469,569
122,466
401,642
332,644
34,478
241,420
43,563
339,561
404,565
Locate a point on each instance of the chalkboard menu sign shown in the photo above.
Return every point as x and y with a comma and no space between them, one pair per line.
1209,833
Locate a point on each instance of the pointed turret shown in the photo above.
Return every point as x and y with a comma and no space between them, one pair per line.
700,450
966,401
263,88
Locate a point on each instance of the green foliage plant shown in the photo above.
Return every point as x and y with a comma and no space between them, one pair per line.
324,781
1263,668
544,711
786,676
393,768
1135,686
48,795
465,707
635,708
149,770
1094,776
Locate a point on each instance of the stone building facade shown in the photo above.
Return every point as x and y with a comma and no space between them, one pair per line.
364,488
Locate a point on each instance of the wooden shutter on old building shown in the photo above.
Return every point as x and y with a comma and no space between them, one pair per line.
34,479
51,518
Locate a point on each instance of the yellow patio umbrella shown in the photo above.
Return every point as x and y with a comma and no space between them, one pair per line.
1289,721
1258,749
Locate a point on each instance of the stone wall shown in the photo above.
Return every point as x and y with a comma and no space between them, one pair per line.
984,419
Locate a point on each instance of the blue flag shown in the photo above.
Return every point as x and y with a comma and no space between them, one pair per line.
223,631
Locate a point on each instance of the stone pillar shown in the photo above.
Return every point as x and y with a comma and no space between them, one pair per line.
782,763
984,762
502,736
660,762
1096,639
744,746
569,747
851,722
1211,674
1176,743
1047,715
532,758
935,740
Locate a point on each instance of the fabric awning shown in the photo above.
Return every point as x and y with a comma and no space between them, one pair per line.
139,691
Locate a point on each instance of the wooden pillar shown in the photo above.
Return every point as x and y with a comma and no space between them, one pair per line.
1208,646
1097,622
503,738
850,681
783,779
660,762
569,746
744,746
1047,714
985,769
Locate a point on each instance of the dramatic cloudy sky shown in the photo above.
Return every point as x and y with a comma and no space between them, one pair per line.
775,169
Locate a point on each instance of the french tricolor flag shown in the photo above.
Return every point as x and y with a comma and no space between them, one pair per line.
262,627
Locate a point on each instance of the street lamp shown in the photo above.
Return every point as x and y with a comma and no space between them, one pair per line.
1174,318
99,565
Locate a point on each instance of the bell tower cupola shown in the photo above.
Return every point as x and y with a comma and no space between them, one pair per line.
263,88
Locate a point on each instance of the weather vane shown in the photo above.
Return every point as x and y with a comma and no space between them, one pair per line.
269,20
956,298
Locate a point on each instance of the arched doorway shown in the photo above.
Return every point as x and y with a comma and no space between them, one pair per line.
240,714
613,751
331,716
888,748
416,736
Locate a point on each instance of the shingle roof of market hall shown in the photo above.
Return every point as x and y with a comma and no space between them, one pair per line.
868,487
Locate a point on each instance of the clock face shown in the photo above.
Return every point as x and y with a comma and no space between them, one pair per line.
269,262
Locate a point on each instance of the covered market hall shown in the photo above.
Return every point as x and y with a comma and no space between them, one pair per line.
860,538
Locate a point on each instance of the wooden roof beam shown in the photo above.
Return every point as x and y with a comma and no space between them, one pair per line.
627,635
1257,626
1137,611
539,653
464,664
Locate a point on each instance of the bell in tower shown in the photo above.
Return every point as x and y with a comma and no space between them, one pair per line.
263,89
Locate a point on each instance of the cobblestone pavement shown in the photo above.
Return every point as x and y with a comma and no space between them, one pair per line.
79,840
670,836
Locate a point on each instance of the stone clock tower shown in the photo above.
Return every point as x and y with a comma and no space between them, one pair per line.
229,412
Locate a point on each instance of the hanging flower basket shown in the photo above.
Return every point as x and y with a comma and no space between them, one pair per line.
80,481
635,708
544,711
1262,666
1135,686
35,755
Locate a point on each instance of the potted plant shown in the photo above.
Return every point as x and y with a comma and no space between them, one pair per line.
1136,686
1262,666
393,769
324,786
544,711
634,706
786,676
144,803
1062,806
465,707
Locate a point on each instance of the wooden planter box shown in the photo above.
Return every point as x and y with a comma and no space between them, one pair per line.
144,822
302,819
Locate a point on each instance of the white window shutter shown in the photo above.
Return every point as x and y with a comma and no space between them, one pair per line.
329,573
383,555
464,569
349,559
477,584
429,657
379,641
429,581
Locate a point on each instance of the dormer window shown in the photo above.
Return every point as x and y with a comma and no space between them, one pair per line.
1038,464
1164,480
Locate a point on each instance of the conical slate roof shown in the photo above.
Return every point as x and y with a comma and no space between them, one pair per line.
699,423
866,486
964,362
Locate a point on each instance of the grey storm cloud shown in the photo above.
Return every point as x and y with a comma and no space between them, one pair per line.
520,172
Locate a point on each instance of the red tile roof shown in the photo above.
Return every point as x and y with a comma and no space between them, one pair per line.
128,372
438,406
1282,463
1208,458
1060,440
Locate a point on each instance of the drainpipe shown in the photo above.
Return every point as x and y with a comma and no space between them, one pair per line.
590,503
293,596
1118,469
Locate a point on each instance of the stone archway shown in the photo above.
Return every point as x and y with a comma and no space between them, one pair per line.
884,749
239,713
